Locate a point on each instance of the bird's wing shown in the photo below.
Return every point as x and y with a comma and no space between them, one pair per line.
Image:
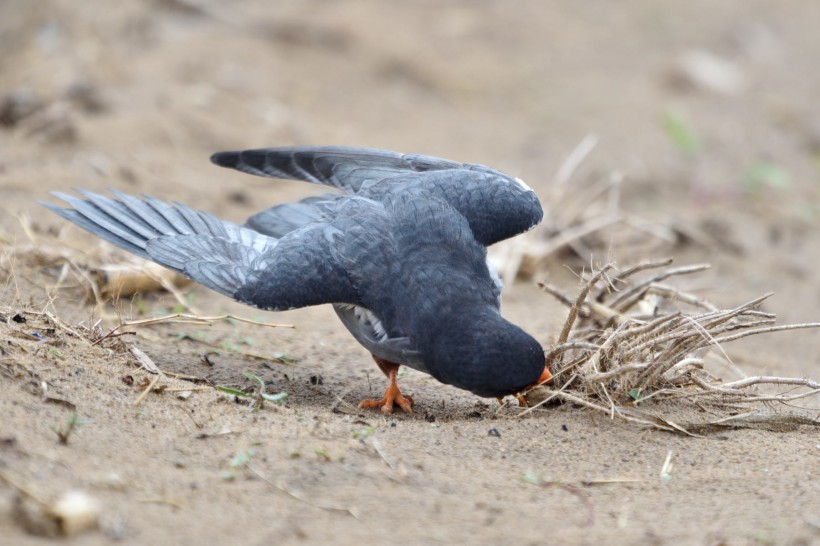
298,270
279,220
497,206
345,168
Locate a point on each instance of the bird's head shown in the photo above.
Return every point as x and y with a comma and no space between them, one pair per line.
479,351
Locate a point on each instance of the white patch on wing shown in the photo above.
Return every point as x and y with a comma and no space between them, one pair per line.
499,284
368,318
524,185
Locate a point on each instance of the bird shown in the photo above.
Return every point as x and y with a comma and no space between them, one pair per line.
399,250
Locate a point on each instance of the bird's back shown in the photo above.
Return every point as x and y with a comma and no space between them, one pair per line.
413,258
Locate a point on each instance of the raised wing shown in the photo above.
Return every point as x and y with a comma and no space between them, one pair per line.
496,205
345,168
298,270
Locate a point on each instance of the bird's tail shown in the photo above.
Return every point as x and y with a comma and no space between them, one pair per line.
213,252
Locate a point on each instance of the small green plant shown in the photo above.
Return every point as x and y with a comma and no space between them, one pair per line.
53,351
768,535
239,460
531,478
258,397
363,433
284,358
322,454
72,424
766,173
183,306
677,127
193,336
235,345
139,303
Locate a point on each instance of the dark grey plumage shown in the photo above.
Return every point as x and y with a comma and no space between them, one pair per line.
402,258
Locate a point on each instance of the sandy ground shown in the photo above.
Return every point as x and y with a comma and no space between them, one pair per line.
136,98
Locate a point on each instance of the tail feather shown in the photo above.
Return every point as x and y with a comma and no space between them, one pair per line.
120,212
215,253
89,225
221,265
103,221
171,217
145,214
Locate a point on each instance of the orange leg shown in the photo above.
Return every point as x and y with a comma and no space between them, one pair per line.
392,396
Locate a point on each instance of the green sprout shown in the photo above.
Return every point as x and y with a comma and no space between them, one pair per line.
766,173
531,478
363,433
55,352
322,454
258,397
73,424
680,132
239,460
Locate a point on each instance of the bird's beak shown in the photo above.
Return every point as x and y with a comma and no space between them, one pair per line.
522,401
545,376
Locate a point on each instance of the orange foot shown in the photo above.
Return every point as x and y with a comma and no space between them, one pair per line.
392,396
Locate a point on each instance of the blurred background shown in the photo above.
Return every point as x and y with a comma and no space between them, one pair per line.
701,118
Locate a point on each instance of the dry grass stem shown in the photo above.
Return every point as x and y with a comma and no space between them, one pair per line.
573,312
284,489
148,389
575,158
184,318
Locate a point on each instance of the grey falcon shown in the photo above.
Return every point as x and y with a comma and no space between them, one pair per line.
400,254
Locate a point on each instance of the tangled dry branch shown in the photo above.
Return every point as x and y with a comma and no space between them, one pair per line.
630,339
